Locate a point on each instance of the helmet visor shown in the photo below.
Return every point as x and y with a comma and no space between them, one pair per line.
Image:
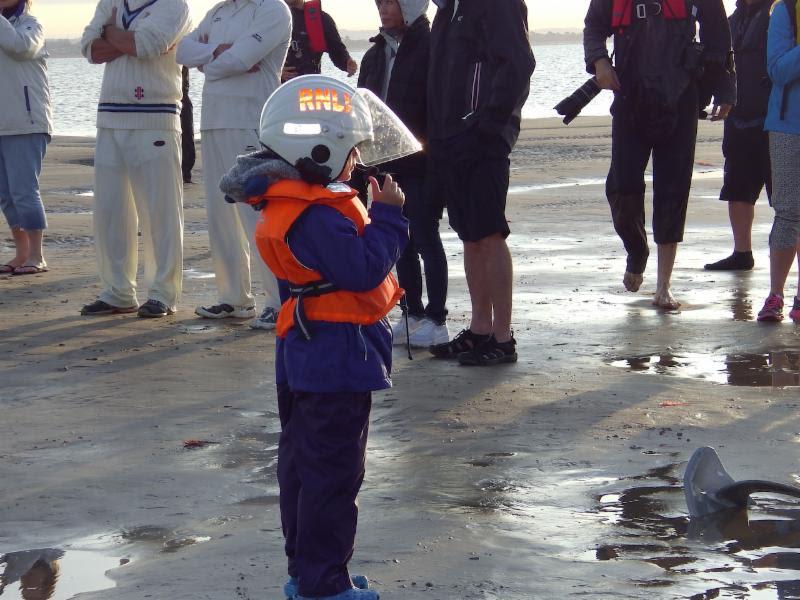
391,138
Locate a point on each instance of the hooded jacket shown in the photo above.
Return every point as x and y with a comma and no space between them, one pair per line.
407,91
24,94
749,24
480,70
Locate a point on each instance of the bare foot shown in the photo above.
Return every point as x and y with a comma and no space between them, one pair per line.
632,281
664,299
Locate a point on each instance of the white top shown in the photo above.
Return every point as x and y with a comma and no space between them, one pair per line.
259,31
24,93
142,91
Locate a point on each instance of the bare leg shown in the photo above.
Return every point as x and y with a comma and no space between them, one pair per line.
632,281
478,284
780,263
741,215
490,277
666,261
35,256
21,245
798,270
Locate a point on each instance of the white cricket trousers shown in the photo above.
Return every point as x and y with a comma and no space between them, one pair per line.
231,227
138,186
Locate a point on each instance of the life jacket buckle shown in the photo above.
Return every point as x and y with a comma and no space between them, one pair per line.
643,11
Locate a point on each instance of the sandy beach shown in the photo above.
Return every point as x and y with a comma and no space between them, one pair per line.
557,477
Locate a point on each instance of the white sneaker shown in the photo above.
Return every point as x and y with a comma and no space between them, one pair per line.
268,319
429,333
399,328
223,311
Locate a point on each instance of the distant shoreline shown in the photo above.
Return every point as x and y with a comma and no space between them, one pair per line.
355,41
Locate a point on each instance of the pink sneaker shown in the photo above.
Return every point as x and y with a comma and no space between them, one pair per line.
794,314
773,309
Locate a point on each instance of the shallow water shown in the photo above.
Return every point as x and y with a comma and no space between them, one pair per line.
52,574
779,368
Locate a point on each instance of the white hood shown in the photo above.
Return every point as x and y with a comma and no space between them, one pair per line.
413,9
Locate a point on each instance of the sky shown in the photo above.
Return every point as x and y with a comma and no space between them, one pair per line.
66,18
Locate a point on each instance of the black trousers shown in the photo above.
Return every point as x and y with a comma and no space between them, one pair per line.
187,139
425,242
673,162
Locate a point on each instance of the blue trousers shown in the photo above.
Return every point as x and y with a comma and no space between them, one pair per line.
21,159
321,457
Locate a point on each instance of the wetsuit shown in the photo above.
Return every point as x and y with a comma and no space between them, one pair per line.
656,111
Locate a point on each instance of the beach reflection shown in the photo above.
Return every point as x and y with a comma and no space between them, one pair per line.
780,368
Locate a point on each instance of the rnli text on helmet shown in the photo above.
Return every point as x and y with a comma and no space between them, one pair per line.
324,100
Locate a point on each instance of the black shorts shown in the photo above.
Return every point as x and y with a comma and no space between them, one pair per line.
472,179
747,165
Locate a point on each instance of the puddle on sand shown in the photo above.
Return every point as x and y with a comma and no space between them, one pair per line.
53,574
522,189
780,368
739,554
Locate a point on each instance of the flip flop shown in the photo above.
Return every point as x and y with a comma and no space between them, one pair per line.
7,268
30,269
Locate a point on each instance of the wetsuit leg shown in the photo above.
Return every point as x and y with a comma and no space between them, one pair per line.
673,162
625,189
329,441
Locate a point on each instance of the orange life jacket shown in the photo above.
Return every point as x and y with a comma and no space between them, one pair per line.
312,11
311,296
622,11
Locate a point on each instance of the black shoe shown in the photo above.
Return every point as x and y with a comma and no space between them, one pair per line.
491,352
464,341
738,261
98,307
153,309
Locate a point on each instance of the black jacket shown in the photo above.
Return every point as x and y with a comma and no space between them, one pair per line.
300,55
408,86
480,71
749,24
634,43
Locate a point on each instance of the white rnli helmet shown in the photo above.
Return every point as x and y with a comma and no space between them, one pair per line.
321,119
315,117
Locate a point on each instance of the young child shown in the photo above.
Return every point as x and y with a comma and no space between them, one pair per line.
334,348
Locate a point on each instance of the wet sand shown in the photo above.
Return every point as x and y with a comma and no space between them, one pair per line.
555,477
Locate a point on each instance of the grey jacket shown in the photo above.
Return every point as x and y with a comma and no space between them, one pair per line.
25,94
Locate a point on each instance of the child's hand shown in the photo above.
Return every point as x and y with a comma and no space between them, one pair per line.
390,194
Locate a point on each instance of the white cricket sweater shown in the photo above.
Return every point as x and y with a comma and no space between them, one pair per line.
24,94
143,91
234,92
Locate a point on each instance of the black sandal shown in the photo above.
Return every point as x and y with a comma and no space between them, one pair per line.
465,341
490,352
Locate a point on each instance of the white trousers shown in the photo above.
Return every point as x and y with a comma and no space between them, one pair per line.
138,187
231,227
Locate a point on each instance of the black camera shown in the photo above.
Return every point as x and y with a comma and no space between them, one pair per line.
571,106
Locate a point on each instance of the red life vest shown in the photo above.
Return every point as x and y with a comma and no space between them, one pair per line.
312,11
286,201
622,11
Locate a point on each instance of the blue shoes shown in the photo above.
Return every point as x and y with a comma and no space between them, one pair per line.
361,582
354,594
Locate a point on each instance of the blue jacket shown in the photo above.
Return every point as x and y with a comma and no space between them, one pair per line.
341,357
783,66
